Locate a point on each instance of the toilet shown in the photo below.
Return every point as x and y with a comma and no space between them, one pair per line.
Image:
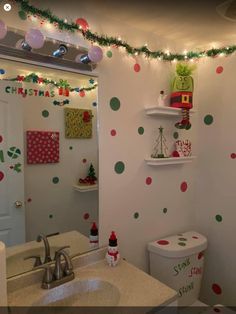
178,262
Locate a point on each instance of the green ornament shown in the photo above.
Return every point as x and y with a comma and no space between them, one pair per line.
22,15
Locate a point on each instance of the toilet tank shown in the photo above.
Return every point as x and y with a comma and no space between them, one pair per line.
178,262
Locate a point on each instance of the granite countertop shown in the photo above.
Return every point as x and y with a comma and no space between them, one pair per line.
16,254
136,288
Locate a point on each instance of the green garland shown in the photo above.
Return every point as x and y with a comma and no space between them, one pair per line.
34,78
106,41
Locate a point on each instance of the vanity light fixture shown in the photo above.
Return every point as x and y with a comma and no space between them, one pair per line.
61,51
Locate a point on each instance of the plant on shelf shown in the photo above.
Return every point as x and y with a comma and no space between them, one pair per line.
160,149
90,178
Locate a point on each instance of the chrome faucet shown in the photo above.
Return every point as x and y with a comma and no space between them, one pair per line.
60,274
47,257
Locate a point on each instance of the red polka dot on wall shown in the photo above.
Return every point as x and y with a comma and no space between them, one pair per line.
233,155
1,175
219,69
1,138
148,180
184,186
113,132
216,288
137,67
86,216
84,160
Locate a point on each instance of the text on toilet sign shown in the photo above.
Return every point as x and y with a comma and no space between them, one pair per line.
195,271
181,266
184,290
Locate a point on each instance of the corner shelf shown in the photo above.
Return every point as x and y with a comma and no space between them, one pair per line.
164,111
85,188
169,161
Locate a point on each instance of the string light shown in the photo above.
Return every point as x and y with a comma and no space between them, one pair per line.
33,12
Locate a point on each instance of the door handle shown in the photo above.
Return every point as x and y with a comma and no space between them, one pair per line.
18,204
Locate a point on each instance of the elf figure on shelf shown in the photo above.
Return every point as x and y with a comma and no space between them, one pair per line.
112,255
182,93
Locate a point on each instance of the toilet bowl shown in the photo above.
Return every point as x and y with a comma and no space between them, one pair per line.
178,262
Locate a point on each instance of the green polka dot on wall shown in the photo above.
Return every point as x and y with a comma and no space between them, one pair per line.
218,218
208,119
165,210
109,53
115,103
71,147
176,135
45,113
136,215
141,130
119,167
50,216
55,180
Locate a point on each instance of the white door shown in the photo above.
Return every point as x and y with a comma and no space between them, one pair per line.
12,209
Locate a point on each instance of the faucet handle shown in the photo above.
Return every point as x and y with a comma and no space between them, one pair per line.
37,262
48,276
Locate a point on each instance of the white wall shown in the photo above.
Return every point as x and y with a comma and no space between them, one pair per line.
215,198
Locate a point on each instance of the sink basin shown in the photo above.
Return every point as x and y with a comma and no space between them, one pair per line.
89,292
16,263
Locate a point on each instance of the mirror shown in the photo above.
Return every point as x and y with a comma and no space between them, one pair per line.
48,162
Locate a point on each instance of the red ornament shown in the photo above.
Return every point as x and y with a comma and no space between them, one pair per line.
64,92
20,78
83,23
82,93
40,80
175,153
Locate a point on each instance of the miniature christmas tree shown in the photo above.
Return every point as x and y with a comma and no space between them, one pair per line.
160,149
91,177
91,173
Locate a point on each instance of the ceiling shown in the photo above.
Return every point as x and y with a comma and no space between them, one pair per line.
191,23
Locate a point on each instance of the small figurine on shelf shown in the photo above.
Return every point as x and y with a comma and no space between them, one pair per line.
160,149
112,255
182,93
161,101
93,237
91,177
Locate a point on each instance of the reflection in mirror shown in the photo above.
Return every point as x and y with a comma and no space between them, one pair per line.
48,163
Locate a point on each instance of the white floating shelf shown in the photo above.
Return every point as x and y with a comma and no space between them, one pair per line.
85,188
169,161
164,111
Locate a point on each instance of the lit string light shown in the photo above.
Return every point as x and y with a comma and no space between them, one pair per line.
106,41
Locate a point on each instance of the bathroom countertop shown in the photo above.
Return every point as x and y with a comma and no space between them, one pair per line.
15,255
136,288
